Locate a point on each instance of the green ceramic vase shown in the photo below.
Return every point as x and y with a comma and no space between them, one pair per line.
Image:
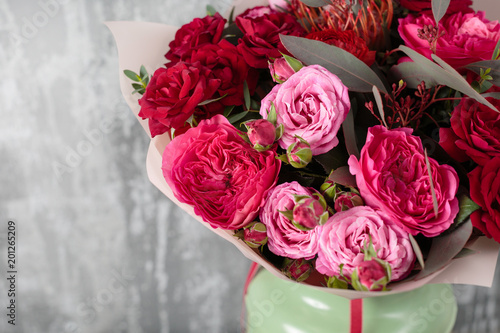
279,306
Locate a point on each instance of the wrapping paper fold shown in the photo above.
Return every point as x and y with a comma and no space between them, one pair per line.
141,43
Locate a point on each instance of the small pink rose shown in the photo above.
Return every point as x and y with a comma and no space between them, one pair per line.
345,236
311,104
261,132
284,238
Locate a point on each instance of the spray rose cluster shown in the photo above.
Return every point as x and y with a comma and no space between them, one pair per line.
311,141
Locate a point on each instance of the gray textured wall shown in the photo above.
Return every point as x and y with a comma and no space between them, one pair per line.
98,248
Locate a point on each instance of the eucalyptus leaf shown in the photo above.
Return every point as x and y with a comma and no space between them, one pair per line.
495,95
208,101
315,3
411,73
380,105
439,8
343,177
494,65
465,253
350,134
227,110
444,248
417,251
354,73
447,77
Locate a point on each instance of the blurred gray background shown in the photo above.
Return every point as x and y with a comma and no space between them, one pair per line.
99,249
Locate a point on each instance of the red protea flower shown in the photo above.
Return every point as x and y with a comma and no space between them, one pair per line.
369,19
346,40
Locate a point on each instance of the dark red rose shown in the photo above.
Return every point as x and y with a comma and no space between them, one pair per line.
173,94
261,28
485,191
346,40
200,31
455,5
477,130
229,66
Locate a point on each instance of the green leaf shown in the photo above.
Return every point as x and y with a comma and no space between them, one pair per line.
294,63
495,95
316,3
465,253
227,110
496,51
131,75
335,282
417,251
431,182
466,207
354,73
411,73
448,77
439,8
444,248
211,10
208,101
143,73
493,65
231,17
137,86
237,117
350,134
380,105
246,95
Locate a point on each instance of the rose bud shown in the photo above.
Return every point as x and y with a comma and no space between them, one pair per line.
261,134
371,275
330,190
346,200
282,68
299,153
255,234
309,212
297,269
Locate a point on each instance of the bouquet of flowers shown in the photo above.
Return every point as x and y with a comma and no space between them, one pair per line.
349,145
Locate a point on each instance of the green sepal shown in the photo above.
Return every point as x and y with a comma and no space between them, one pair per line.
287,213
295,64
271,115
335,282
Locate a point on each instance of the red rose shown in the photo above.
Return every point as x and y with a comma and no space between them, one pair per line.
419,5
174,93
207,30
476,130
346,40
485,191
229,66
261,40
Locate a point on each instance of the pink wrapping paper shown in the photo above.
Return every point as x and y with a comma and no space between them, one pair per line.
142,43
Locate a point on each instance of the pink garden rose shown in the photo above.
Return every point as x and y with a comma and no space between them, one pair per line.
347,233
311,104
485,191
212,168
285,239
467,38
475,131
392,176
